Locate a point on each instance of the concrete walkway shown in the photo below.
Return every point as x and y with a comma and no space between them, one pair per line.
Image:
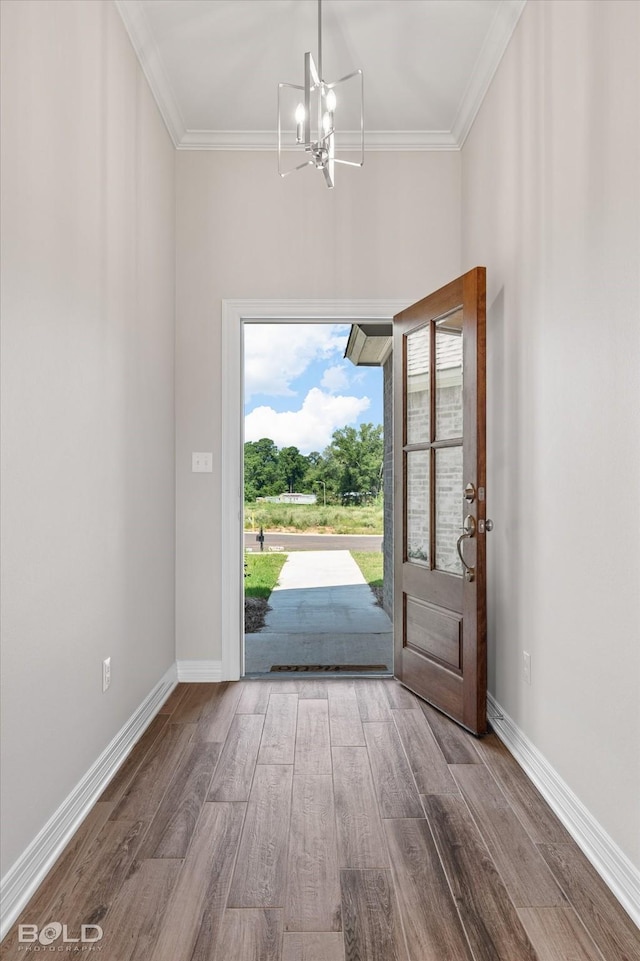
322,612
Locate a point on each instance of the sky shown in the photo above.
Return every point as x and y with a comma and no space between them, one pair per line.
299,388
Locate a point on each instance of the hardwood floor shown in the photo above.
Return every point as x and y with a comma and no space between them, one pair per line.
331,820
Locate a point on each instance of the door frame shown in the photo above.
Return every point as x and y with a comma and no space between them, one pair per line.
235,314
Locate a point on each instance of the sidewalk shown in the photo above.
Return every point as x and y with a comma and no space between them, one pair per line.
322,612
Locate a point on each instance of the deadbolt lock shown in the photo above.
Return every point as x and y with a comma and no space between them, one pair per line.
470,493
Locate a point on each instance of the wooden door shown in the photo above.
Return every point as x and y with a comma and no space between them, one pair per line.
440,499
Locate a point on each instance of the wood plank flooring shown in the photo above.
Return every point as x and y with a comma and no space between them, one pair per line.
324,820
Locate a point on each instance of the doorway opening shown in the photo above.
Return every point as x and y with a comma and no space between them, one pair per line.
316,493
236,314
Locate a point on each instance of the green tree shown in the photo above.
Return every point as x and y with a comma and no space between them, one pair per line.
321,479
261,475
292,467
348,471
353,462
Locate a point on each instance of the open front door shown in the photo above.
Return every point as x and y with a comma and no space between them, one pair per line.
440,499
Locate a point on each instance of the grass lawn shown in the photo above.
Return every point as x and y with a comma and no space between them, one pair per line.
314,517
370,563
262,573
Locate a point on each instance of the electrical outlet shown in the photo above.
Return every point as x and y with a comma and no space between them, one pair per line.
526,667
106,673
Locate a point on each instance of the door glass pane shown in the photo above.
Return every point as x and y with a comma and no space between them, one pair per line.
449,508
448,381
418,431
418,506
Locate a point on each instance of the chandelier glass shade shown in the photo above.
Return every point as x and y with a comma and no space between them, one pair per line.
307,116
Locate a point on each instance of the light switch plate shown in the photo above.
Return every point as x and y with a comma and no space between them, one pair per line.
202,462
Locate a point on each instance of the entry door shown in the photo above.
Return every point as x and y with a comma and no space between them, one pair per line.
440,499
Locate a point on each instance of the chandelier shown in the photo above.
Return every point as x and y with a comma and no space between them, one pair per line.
310,126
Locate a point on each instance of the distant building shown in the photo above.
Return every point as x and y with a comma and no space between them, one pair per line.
290,499
297,498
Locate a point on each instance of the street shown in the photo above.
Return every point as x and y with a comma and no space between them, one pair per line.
314,542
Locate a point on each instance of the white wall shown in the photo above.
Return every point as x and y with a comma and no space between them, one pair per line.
551,205
87,398
389,230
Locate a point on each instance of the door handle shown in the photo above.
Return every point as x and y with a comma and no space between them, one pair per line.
468,530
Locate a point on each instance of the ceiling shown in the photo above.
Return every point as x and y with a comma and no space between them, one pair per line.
214,65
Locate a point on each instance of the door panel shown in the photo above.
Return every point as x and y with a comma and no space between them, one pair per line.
434,631
439,482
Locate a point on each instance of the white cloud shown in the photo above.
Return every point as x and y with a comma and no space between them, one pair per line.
276,354
309,428
335,378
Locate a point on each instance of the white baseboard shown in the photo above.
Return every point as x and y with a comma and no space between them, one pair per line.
611,863
22,879
198,671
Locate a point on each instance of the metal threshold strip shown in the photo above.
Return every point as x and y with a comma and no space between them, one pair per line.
329,669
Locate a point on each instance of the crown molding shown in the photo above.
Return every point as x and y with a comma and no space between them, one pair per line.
496,42
349,140
489,59
146,50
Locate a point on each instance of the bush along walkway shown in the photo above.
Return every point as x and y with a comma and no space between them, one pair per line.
260,577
